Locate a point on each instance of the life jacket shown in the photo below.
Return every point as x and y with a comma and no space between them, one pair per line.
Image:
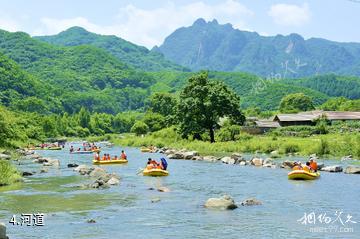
123,156
164,163
313,166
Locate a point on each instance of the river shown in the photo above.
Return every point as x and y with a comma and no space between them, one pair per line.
126,210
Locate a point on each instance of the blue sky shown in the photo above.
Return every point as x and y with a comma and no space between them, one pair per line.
147,23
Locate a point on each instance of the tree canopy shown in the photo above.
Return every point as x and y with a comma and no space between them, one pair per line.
203,103
295,103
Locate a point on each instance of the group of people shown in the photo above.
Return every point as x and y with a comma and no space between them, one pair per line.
153,164
105,157
86,148
310,166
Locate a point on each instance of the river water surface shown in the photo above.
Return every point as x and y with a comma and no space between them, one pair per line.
126,210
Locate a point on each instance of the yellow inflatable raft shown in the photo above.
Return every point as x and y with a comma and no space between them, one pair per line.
303,175
119,161
146,150
155,172
54,148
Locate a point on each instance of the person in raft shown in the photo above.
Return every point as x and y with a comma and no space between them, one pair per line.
71,149
313,165
115,158
97,156
123,155
307,167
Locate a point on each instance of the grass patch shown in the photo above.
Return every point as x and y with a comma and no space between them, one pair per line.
8,173
336,145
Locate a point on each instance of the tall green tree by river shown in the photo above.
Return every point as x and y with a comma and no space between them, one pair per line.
203,103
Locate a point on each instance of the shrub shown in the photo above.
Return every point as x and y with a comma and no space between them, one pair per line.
323,147
291,148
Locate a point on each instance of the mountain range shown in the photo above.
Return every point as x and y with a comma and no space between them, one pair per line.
210,45
75,68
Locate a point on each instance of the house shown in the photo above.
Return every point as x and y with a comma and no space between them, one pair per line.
309,117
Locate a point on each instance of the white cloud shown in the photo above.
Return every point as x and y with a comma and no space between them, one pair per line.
150,27
290,15
8,24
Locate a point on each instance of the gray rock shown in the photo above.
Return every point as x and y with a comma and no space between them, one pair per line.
169,151
72,165
3,231
190,154
113,181
225,202
5,156
256,161
348,157
287,164
251,202
210,158
352,170
332,169
24,174
198,158
320,166
242,163
163,189
84,169
228,160
97,172
155,200
52,162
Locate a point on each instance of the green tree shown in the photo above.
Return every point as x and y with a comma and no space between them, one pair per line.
139,128
155,121
295,103
203,103
84,118
162,103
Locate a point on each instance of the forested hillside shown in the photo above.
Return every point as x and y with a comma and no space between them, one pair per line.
137,56
81,75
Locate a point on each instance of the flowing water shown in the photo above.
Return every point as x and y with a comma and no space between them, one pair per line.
126,210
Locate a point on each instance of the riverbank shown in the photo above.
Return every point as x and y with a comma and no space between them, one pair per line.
326,146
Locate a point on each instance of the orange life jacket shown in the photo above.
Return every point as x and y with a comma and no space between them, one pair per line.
313,166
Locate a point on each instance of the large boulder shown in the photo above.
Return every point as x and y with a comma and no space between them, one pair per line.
113,181
97,172
176,155
352,170
256,161
84,169
251,202
3,231
228,160
169,151
210,158
5,156
190,154
332,169
236,156
287,164
269,163
223,203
